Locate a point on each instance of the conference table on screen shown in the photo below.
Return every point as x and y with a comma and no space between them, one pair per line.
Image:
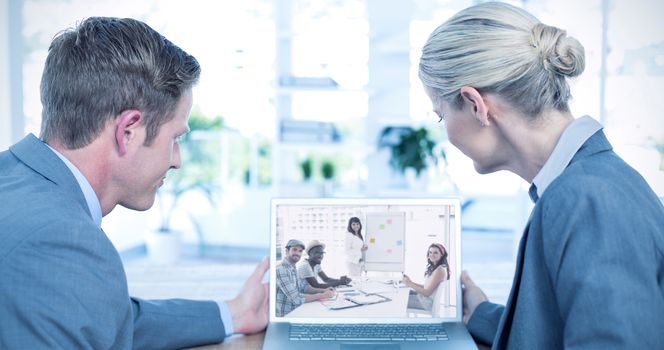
392,308
396,307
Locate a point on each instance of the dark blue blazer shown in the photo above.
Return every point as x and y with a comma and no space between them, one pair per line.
62,284
590,266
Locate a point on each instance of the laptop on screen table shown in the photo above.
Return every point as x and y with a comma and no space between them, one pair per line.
374,310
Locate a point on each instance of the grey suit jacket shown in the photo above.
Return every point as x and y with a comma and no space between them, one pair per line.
590,265
62,284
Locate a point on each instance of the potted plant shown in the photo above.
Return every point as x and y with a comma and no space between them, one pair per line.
412,150
199,171
327,169
307,167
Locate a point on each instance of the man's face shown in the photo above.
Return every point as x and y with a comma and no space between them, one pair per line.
293,254
146,166
316,254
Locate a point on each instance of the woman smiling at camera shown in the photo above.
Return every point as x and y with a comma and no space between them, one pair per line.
438,270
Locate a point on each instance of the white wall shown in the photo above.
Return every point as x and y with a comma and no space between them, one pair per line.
11,65
5,111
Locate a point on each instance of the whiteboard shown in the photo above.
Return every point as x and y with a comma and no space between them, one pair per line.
385,233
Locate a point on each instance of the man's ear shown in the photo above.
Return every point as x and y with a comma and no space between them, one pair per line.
126,126
479,107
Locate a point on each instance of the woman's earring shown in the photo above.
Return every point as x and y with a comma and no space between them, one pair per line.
487,120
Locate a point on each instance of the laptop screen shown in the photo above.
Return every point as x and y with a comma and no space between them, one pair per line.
377,260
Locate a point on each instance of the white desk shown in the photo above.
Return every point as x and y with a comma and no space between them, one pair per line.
393,308
206,280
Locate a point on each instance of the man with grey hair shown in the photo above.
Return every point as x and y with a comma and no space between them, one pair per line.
116,99
291,291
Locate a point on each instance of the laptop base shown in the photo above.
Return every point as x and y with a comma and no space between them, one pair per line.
277,337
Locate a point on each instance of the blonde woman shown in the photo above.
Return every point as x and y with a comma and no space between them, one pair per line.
355,247
589,270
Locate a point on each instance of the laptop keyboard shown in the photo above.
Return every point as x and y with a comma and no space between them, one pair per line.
369,332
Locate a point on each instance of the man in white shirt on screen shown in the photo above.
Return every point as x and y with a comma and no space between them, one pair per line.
310,268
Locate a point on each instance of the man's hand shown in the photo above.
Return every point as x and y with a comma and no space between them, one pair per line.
328,293
345,279
472,296
250,307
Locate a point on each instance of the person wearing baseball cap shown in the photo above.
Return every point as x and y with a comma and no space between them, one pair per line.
292,293
310,268
294,243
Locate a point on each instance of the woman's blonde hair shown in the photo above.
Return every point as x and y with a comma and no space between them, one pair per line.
496,47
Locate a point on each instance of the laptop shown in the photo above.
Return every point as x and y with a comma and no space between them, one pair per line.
375,310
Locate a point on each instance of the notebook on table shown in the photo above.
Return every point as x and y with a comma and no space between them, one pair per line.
370,313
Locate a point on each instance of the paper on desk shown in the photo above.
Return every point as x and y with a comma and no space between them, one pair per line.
340,303
366,298
395,283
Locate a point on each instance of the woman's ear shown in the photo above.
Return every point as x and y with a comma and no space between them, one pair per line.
127,124
478,105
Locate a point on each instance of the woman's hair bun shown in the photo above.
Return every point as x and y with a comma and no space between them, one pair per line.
559,53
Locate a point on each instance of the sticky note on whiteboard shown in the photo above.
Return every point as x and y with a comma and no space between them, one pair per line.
389,221
372,240
382,226
399,242
389,251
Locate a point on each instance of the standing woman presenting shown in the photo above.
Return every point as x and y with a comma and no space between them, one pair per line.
355,247
590,265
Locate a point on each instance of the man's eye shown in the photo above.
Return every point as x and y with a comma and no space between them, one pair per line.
178,139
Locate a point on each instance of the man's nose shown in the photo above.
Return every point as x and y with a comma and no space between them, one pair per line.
176,161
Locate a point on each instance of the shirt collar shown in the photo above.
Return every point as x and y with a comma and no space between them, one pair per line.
90,196
571,140
287,263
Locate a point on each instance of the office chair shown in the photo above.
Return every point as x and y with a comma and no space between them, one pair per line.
435,311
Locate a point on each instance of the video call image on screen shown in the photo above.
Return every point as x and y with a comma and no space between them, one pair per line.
397,241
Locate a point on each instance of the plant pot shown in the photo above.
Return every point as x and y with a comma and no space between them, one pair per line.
417,183
163,247
328,188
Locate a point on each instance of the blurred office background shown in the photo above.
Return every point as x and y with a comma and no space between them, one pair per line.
312,98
